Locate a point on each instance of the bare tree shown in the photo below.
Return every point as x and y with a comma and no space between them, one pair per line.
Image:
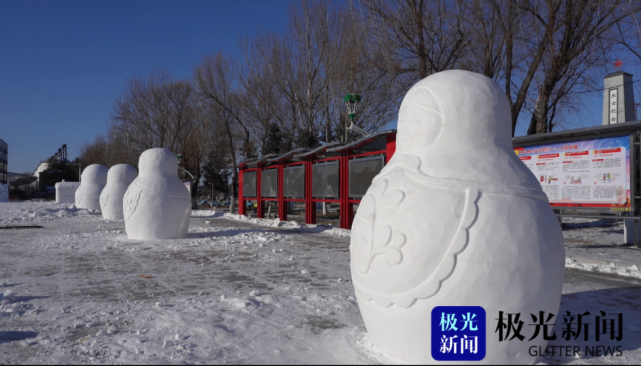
422,37
154,111
215,84
572,30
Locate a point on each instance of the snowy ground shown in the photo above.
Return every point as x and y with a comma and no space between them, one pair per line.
596,245
236,291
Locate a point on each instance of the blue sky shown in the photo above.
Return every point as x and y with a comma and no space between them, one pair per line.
63,63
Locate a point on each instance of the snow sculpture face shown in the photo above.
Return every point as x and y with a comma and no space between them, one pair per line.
94,179
118,180
419,121
451,121
454,219
157,204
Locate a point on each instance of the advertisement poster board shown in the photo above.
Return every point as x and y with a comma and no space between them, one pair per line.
588,173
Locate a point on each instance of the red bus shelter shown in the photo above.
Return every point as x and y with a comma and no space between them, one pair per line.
335,172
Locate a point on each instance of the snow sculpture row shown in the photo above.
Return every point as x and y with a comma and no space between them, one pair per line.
454,219
154,205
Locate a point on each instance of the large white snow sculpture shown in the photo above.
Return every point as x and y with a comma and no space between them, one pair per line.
93,181
4,193
66,191
157,204
454,219
118,180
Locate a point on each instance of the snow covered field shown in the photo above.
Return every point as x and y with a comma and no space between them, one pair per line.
596,245
237,290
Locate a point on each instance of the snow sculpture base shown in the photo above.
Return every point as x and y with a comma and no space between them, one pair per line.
119,178
157,204
4,193
92,182
454,219
66,192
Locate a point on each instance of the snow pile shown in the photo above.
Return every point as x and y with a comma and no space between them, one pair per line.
205,213
11,305
331,230
258,221
604,266
15,212
5,303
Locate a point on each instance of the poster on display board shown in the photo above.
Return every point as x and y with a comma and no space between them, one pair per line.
588,173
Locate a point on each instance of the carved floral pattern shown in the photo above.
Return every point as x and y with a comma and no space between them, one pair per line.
130,203
379,234
381,241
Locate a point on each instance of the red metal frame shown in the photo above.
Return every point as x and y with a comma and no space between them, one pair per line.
390,146
242,209
347,208
310,207
346,203
260,207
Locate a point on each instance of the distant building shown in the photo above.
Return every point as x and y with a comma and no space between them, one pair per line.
42,169
618,98
43,173
13,176
4,161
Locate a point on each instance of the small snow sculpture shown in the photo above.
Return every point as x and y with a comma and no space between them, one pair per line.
454,219
4,193
157,204
94,179
118,180
66,192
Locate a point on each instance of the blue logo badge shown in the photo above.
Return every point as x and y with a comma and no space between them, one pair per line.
458,333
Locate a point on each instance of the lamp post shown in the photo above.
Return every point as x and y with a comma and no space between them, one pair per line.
351,101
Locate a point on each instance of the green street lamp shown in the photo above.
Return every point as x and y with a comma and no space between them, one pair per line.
180,166
351,100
